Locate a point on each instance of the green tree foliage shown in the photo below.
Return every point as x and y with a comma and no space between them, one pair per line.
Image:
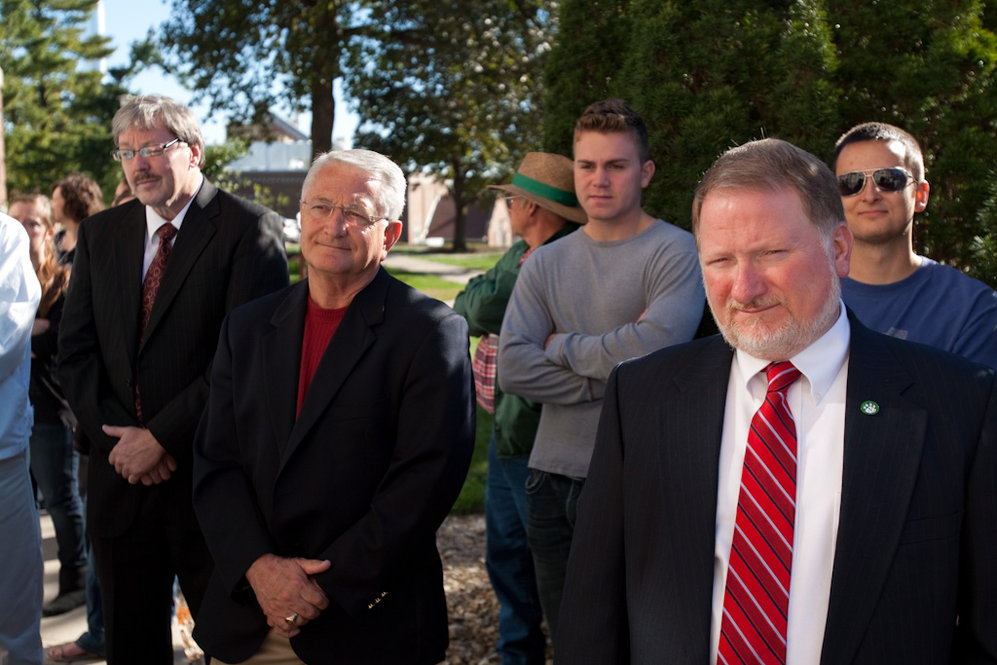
58,112
452,88
931,68
583,67
247,58
712,74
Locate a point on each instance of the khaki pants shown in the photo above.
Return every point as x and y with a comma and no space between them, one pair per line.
275,650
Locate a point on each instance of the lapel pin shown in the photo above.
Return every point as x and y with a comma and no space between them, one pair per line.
869,407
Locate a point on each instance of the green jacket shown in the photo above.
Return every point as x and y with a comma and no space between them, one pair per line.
483,304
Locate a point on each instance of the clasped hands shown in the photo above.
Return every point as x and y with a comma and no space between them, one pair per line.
138,457
285,589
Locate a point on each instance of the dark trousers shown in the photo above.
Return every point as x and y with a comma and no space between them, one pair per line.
55,466
136,570
551,501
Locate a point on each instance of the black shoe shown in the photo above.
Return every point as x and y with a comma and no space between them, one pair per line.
64,603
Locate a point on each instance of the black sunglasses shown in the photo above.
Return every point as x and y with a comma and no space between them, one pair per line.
887,180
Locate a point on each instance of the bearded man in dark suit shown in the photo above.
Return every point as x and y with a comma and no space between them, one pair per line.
802,490
152,280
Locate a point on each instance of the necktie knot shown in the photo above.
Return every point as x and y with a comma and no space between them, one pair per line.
781,375
166,232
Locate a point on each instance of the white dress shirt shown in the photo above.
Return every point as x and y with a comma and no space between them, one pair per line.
817,402
153,221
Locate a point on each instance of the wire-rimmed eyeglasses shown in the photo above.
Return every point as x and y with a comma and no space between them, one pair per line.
354,216
145,152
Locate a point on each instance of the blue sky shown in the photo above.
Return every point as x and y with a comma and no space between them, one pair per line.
126,21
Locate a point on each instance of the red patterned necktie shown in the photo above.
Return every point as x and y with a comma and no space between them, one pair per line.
756,600
150,287
154,275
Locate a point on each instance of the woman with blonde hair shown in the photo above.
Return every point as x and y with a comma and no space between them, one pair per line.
54,462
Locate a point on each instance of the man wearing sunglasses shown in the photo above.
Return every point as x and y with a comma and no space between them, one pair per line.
152,280
880,171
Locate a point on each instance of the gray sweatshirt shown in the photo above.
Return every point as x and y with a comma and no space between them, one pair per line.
606,302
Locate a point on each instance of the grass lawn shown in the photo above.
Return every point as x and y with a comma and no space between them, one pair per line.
482,261
431,285
472,496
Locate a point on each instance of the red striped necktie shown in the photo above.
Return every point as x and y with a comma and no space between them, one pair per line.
756,599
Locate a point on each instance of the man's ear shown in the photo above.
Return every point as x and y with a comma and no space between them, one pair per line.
392,232
841,247
921,196
646,173
195,154
529,206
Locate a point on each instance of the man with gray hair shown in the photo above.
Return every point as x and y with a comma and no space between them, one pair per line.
152,281
337,436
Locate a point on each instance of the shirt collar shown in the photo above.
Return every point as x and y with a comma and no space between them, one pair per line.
153,220
819,363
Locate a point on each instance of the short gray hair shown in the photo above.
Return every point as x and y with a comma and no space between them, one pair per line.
391,198
153,111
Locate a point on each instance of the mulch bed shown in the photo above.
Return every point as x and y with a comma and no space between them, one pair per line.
471,603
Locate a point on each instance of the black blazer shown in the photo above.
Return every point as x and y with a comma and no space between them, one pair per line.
913,579
362,477
227,252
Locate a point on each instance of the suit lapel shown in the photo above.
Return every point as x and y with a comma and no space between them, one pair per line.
125,268
881,459
281,347
347,347
688,457
199,225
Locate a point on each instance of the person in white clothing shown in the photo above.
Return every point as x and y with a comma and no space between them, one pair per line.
21,563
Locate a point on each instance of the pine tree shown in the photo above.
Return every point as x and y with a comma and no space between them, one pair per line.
57,111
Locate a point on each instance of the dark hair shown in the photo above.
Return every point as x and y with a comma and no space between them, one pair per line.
81,196
615,115
771,165
881,131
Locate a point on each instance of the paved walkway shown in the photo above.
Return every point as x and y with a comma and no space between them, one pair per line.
412,263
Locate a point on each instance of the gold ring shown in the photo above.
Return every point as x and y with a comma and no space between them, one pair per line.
291,619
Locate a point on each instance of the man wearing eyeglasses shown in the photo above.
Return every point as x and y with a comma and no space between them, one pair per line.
152,280
542,208
337,436
880,170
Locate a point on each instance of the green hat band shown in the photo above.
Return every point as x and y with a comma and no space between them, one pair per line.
547,191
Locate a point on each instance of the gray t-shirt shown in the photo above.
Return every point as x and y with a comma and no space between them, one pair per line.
607,302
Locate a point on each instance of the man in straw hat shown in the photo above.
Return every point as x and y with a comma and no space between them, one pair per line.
626,284
542,208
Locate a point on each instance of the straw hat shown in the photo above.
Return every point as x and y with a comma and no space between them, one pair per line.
548,180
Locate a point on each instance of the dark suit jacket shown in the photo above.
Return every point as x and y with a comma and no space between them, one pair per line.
363,477
227,252
917,536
